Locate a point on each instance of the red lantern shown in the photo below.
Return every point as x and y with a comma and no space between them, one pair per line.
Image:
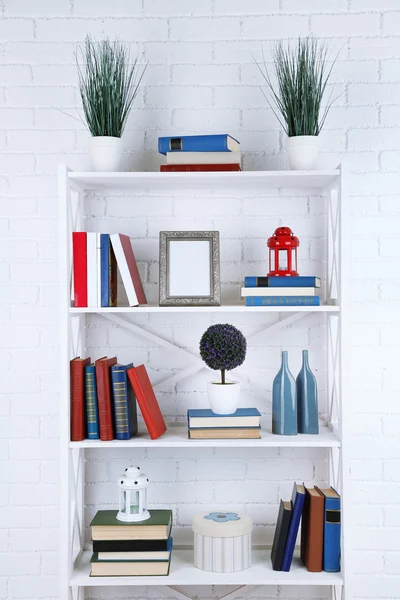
283,253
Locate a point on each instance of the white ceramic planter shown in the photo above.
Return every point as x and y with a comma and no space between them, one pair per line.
223,398
303,151
105,153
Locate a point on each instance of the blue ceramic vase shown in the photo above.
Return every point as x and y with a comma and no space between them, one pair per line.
284,405
307,398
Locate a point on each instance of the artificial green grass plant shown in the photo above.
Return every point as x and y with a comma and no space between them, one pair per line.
108,84
302,73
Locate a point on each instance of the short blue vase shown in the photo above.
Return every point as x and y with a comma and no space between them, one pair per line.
284,404
307,398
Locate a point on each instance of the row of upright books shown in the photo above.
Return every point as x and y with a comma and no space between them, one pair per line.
319,513
281,291
103,400
131,549
203,424
219,152
95,259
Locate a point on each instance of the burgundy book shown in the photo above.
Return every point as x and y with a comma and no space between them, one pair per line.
77,389
312,530
104,397
147,401
220,167
128,268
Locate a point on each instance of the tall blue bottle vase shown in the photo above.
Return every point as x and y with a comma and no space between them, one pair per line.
307,398
284,403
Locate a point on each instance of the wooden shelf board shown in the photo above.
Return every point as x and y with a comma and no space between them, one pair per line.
183,572
248,180
176,437
233,308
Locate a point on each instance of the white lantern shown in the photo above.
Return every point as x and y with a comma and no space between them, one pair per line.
133,496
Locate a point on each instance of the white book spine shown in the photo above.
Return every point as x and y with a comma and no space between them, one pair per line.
124,270
91,249
98,269
274,291
203,158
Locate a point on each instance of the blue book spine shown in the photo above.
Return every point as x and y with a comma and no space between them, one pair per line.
194,143
105,268
282,301
207,412
297,509
332,535
301,281
91,406
124,403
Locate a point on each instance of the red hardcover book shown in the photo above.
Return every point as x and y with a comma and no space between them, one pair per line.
104,397
128,268
219,167
79,256
147,401
77,389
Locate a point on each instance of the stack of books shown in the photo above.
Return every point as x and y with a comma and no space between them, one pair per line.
95,258
131,549
281,291
200,153
319,511
103,404
203,424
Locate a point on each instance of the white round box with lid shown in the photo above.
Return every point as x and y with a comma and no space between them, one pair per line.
222,541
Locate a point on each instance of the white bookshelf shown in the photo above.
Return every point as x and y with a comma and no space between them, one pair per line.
331,184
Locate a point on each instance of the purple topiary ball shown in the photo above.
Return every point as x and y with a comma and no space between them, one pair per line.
223,347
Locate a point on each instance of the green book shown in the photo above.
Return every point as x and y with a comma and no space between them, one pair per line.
106,526
128,568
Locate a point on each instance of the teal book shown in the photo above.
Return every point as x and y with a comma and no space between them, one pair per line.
282,301
91,406
124,403
331,553
265,281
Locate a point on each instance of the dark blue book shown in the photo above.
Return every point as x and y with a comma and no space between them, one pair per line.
108,272
331,560
281,533
282,301
205,418
301,281
124,403
298,497
198,143
91,406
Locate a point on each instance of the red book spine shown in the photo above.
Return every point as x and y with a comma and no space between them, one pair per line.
80,268
103,383
147,401
230,167
77,387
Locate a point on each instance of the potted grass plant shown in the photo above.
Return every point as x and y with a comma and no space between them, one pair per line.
223,348
302,73
108,85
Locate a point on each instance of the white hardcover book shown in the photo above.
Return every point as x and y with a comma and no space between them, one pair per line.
203,158
159,555
275,291
98,269
91,251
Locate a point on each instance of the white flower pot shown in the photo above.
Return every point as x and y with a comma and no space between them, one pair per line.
223,397
105,153
303,151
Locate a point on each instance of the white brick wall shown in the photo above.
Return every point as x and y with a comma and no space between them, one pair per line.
201,78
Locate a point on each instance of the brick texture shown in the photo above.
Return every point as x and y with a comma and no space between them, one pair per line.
201,78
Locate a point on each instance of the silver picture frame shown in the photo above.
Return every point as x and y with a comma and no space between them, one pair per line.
190,268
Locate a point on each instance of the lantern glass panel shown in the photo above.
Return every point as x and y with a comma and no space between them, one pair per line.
134,507
271,260
294,259
282,260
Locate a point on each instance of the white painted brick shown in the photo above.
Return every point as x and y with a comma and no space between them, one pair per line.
21,517
205,74
43,140
139,30
367,562
24,8
368,94
314,5
366,469
50,563
360,514
345,25
50,96
34,449
85,8
16,75
16,30
54,75
35,495
276,26
200,29
179,8
21,587
40,52
209,471
391,22
391,469
178,95
14,337
72,30
392,563
11,564
18,428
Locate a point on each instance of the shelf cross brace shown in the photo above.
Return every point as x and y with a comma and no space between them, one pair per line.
233,594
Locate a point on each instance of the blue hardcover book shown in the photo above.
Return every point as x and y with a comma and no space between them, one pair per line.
198,143
205,418
282,301
331,561
124,403
91,406
105,268
298,497
301,281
